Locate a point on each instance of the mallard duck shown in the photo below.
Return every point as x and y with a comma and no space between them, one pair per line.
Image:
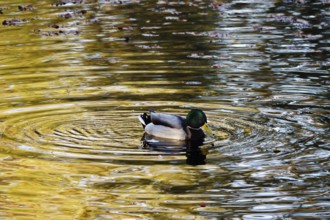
175,127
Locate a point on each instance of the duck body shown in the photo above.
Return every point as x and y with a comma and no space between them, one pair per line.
169,126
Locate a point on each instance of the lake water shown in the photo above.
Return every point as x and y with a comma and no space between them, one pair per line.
75,74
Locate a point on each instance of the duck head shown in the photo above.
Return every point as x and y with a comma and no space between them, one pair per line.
196,119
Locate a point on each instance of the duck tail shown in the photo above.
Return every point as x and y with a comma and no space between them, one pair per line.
144,119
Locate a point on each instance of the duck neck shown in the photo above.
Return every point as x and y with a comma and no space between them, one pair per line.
195,133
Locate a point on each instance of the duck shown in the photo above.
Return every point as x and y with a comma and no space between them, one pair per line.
175,127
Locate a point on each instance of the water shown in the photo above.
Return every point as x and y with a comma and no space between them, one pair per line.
74,76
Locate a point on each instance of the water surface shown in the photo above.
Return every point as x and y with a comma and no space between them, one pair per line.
74,76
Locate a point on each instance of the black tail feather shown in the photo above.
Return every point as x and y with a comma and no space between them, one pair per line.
145,119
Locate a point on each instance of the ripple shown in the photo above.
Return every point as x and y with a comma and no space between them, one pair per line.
102,131
106,132
71,131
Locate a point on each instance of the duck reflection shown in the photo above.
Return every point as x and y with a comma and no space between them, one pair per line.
194,151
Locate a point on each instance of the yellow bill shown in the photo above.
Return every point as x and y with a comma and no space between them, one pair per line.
207,129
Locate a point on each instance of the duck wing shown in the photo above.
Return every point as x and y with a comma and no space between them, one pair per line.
168,120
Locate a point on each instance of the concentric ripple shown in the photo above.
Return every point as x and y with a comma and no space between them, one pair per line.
72,131
102,131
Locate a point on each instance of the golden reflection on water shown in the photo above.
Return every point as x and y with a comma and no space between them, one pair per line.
74,76
57,189
58,164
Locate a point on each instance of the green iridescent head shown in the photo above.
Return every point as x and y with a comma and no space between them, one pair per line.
196,118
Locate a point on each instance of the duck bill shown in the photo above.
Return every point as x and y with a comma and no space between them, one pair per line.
207,129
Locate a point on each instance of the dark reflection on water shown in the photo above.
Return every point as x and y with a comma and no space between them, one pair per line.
74,75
